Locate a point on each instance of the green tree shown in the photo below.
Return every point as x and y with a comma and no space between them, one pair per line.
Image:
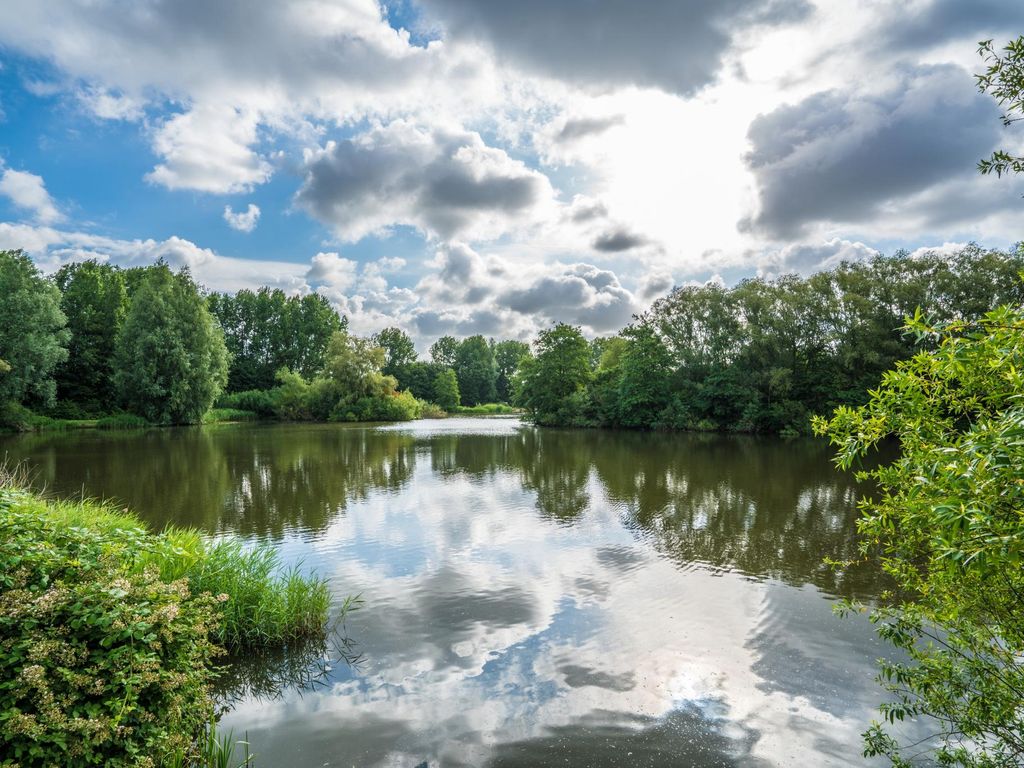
946,522
645,369
399,350
95,301
32,332
444,350
476,371
507,357
446,390
1003,78
170,358
551,385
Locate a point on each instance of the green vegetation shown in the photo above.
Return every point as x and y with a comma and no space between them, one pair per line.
216,415
1004,79
266,331
32,335
765,355
109,633
947,524
487,409
170,360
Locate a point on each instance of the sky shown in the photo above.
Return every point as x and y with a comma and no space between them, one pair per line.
491,167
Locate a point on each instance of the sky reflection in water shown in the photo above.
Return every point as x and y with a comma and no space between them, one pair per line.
532,597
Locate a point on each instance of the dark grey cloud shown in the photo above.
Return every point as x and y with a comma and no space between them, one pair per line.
445,183
578,127
921,27
676,45
486,322
807,258
843,157
618,240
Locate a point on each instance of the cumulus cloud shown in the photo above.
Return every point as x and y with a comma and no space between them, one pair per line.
577,127
806,258
243,221
670,44
582,293
209,148
445,182
842,156
28,192
330,269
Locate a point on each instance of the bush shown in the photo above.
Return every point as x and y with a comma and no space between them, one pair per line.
430,410
215,415
107,632
98,665
258,401
402,406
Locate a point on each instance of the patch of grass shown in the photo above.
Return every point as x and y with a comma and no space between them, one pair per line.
216,415
122,421
432,411
487,409
18,418
108,632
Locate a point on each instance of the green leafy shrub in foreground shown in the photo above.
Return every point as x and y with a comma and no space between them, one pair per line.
98,665
947,521
108,632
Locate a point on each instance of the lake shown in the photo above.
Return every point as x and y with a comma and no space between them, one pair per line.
531,597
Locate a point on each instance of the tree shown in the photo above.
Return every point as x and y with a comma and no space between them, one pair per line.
444,350
418,378
95,301
170,358
476,371
32,331
266,330
507,357
1004,79
645,368
446,390
947,524
551,385
399,350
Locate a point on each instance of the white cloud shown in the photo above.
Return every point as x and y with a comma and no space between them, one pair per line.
243,221
28,192
209,148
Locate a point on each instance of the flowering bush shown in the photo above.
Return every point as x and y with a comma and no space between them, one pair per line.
99,665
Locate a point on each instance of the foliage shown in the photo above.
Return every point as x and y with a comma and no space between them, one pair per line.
170,358
444,351
551,386
121,421
1003,78
258,401
95,301
486,409
766,354
399,351
98,666
266,330
32,333
394,406
476,371
418,377
445,390
430,410
215,415
947,524
507,357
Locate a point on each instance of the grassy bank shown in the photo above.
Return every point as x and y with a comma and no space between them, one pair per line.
487,409
109,633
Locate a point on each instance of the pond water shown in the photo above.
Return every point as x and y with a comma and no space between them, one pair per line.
532,597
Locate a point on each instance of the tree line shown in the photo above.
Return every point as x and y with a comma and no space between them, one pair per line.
96,339
765,355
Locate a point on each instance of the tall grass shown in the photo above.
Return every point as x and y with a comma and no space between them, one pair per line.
487,409
212,750
262,602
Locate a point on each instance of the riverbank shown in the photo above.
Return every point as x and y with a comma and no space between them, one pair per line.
111,632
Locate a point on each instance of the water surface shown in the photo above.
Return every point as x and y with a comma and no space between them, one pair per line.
532,597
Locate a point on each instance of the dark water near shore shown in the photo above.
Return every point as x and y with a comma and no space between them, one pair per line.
532,597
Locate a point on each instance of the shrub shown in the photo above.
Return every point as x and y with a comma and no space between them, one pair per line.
122,421
98,665
215,415
402,406
431,411
258,401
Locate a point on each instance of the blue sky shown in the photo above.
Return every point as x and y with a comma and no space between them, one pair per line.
487,167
